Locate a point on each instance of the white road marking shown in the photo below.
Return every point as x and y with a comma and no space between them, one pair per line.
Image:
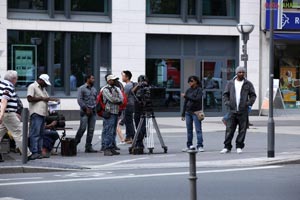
119,162
16,179
9,198
139,176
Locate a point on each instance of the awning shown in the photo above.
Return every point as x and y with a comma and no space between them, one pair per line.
286,36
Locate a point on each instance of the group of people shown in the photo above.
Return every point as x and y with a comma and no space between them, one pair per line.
238,96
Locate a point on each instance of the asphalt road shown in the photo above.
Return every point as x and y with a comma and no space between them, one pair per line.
247,183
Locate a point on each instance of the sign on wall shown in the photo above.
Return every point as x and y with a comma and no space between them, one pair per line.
24,61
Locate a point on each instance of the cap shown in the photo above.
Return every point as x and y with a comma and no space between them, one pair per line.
45,78
240,69
111,77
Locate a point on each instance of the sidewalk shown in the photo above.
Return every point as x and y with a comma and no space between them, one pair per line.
287,148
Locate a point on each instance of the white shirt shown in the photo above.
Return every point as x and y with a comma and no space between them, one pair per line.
238,87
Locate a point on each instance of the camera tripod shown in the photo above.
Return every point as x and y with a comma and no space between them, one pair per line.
149,118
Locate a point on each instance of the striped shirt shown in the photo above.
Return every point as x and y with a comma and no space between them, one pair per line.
7,91
112,97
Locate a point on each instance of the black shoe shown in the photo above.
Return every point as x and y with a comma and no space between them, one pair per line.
34,156
1,158
108,152
90,150
114,152
117,148
138,151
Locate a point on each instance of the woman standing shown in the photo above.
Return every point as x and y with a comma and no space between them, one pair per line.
192,103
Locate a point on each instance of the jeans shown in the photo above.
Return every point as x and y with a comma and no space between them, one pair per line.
36,133
130,132
190,118
109,132
241,119
50,136
89,123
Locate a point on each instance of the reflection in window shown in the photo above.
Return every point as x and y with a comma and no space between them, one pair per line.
28,4
219,8
165,73
81,60
58,68
89,5
170,7
27,55
230,69
191,7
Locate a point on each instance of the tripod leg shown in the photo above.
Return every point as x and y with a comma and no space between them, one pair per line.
136,136
159,135
150,139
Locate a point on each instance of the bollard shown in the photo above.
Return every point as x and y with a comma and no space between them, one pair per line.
193,174
25,114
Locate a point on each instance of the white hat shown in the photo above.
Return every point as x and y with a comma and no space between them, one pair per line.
45,78
111,77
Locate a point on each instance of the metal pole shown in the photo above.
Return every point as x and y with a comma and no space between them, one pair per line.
193,175
271,123
25,114
245,54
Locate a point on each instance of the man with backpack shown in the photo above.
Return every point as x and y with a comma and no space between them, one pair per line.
112,98
128,118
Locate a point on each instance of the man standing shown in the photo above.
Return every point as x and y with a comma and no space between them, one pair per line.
130,132
239,94
86,98
9,120
38,98
112,98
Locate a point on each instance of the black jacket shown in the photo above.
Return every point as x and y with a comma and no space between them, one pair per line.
193,100
248,96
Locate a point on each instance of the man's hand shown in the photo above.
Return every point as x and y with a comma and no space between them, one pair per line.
88,111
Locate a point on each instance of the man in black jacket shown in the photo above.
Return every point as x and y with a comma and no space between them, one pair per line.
238,96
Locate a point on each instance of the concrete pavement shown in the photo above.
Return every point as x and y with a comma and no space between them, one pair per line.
287,148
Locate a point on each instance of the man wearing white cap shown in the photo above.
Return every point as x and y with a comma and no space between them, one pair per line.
38,98
238,95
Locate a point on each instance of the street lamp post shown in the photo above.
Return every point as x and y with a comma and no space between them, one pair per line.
245,29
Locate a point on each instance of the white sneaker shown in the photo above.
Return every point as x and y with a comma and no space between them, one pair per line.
239,150
200,149
185,149
225,151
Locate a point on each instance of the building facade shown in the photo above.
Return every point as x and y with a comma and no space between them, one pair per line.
168,40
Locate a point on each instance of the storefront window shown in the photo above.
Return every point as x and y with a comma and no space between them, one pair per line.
169,7
81,60
58,68
165,74
89,5
28,4
287,69
27,54
219,8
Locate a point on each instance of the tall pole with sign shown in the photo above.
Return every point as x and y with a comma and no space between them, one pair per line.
271,123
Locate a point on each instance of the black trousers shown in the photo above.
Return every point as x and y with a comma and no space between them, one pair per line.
236,119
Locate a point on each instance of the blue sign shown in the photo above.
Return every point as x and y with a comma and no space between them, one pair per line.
290,20
276,5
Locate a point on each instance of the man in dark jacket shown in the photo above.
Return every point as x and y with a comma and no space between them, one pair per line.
239,94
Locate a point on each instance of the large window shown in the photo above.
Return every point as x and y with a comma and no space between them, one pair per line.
219,8
169,7
99,6
27,54
165,73
28,4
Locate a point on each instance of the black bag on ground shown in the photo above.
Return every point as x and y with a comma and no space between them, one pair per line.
68,147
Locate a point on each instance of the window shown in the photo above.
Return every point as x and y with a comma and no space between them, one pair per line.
219,8
287,4
191,7
81,52
28,4
165,73
59,5
164,7
27,55
99,6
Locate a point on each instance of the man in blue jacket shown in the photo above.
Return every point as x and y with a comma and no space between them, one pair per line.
239,94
